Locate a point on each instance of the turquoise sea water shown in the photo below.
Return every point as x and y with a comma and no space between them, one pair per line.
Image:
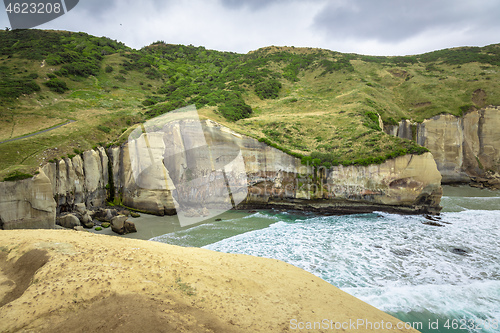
420,273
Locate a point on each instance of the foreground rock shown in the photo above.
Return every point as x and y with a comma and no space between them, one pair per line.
83,282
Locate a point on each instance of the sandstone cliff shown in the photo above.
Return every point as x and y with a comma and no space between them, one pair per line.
464,148
150,173
27,204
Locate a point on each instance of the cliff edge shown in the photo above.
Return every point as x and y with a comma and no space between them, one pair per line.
268,178
466,149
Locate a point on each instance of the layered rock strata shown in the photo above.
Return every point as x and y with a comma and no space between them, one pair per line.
464,148
265,178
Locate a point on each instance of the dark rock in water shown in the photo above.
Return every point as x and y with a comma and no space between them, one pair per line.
218,220
118,224
402,252
432,218
129,227
88,225
435,219
434,224
378,246
459,251
252,211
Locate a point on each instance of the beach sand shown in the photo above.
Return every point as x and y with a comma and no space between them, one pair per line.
69,281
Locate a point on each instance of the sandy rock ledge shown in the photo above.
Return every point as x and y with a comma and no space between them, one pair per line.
65,281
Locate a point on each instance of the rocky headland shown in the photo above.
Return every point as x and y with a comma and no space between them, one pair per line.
466,149
80,185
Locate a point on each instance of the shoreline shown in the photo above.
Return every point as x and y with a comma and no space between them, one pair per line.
150,226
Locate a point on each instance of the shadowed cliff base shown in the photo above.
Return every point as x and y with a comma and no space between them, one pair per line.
427,205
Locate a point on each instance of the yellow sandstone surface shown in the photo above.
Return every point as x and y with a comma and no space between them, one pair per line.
68,281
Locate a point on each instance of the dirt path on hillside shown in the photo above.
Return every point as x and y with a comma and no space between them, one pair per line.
40,132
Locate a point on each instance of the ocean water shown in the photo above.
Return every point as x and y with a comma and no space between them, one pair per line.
444,278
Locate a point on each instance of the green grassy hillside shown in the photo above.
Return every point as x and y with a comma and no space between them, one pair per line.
316,104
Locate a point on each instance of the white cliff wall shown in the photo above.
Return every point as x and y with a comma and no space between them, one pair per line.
409,183
463,147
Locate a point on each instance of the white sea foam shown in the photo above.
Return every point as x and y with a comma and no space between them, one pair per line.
396,263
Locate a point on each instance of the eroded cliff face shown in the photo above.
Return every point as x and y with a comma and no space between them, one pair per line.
81,179
464,148
27,204
407,184
143,186
266,177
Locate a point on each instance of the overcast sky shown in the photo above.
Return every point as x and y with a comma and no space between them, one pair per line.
376,27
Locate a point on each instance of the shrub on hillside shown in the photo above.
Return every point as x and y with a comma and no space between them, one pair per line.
17,175
13,87
235,110
57,85
372,120
83,69
163,108
103,128
268,89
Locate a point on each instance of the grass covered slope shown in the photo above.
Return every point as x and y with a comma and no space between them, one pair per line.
317,104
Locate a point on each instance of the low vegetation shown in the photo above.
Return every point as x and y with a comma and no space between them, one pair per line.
17,175
318,105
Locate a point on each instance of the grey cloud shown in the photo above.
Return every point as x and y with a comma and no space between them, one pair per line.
252,4
95,8
104,9
260,4
397,20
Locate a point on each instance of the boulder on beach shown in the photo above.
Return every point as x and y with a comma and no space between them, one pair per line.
68,221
